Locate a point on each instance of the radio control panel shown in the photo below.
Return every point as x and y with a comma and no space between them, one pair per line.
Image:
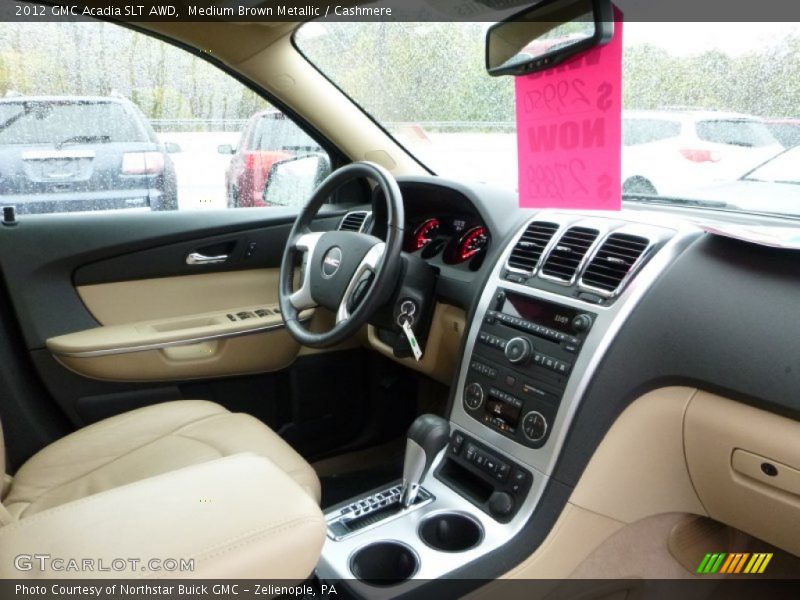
520,365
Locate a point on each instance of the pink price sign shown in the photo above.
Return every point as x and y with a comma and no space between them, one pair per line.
569,122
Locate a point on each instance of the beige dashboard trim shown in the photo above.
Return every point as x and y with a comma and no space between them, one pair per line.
719,433
441,355
576,533
642,469
639,469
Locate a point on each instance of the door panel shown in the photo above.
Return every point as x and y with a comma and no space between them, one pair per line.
75,275
41,256
187,347
120,302
190,327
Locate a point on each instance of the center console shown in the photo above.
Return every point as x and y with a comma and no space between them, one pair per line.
518,371
529,355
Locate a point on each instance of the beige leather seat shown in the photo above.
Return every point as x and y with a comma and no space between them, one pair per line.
184,479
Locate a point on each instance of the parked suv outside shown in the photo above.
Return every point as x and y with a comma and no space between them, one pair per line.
786,131
79,153
268,136
671,151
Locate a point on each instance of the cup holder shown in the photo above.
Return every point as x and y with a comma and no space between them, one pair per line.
451,532
384,563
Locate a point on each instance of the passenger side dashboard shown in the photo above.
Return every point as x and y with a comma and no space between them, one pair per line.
689,310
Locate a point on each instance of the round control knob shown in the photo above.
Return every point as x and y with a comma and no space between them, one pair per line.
473,396
534,426
501,504
581,323
518,350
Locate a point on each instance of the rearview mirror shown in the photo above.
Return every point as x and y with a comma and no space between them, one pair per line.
225,149
547,34
291,182
172,147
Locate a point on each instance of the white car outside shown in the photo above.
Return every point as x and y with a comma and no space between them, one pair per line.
668,152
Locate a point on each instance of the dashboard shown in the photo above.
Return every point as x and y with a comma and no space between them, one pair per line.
572,316
442,226
457,238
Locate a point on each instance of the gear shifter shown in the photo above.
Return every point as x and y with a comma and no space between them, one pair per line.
427,436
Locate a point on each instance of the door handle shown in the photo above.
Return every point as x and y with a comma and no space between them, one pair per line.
195,258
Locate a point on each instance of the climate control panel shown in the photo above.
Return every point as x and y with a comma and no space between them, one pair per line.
523,357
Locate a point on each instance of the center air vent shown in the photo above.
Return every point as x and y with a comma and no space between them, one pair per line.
565,257
529,248
354,221
613,261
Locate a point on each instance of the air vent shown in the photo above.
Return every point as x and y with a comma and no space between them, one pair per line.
354,221
565,257
529,248
613,261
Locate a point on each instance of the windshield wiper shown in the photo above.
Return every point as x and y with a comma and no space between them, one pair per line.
13,119
669,201
84,139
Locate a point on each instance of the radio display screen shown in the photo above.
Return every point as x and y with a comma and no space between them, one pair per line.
498,408
544,313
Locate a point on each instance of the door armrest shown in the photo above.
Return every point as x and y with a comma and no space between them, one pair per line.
166,333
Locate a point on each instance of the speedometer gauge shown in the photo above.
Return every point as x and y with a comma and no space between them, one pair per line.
424,234
469,245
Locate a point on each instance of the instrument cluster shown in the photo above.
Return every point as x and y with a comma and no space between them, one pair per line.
458,239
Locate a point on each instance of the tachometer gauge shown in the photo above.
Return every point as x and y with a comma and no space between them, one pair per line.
469,245
424,234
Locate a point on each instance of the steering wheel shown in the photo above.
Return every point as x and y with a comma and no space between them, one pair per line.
350,273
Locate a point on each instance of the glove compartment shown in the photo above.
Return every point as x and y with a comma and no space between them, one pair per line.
745,465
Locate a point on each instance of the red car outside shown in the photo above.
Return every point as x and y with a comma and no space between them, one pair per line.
268,137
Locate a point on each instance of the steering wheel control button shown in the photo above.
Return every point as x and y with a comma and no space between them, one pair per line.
518,350
534,426
473,396
331,262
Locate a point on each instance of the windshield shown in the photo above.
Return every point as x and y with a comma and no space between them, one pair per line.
703,103
781,169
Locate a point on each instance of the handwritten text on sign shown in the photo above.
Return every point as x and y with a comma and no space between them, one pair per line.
569,123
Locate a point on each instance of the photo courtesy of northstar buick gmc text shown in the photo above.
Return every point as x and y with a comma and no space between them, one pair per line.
421,299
